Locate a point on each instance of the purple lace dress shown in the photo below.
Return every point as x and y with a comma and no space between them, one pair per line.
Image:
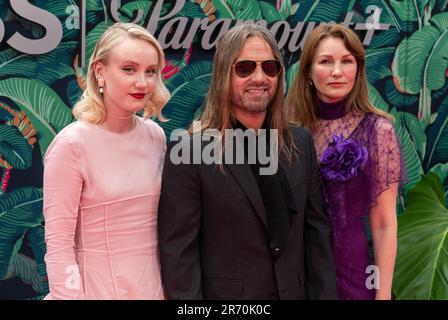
359,158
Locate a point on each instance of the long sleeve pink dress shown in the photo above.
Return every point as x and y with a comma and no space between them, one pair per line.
101,196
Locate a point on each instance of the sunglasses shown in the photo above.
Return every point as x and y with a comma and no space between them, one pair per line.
245,68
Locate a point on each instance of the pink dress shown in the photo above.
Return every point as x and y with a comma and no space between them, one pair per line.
101,196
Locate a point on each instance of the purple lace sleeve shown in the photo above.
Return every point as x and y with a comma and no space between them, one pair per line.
386,159
359,158
357,167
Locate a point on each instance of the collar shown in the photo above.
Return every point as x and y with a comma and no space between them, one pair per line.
332,111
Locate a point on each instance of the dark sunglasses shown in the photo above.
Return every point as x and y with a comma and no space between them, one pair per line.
245,68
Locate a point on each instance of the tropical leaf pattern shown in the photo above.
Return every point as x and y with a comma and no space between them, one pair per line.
269,12
407,70
420,63
14,148
20,210
188,89
421,271
46,68
438,137
44,107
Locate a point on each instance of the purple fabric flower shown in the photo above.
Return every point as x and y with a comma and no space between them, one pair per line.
342,158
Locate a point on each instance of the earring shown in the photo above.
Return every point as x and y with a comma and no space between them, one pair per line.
310,82
101,85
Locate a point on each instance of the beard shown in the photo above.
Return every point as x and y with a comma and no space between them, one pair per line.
252,104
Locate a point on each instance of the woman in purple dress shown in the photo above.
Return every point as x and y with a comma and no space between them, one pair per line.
359,158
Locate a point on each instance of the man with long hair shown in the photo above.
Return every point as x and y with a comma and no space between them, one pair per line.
228,229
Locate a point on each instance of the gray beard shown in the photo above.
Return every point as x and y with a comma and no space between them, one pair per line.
252,106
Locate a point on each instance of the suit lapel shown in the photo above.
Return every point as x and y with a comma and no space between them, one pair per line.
246,180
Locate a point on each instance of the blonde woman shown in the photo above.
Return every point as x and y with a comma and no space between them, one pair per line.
102,176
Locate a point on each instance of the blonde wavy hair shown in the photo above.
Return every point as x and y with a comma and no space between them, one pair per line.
91,107
302,98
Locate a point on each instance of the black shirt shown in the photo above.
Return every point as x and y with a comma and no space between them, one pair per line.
276,194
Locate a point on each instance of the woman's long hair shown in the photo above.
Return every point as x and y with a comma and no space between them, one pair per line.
302,100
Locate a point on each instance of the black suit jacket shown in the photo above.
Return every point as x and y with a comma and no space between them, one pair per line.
212,230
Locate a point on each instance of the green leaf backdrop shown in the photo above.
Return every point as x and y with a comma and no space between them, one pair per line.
407,73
